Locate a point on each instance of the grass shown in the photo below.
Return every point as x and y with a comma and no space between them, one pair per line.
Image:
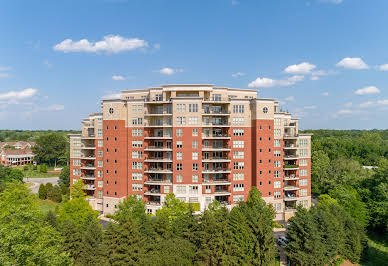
46,206
377,253
30,173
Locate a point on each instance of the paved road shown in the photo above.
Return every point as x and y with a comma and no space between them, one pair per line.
278,232
37,181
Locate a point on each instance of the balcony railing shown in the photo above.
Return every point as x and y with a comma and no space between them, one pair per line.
221,124
291,166
217,170
291,177
157,148
88,177
90,187
215,136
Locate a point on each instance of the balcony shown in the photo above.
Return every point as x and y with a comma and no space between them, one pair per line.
154,203
291,157
88,167
89,136
291,198
216,113
90,187
216,159
215,149
88,157
291,167
290,147
216,101
153,192
290,136
290,125
215,136
157,114
157,182
216,171
88,177
159,137
88,147
158,160
224,124
291,177
158,171
221,192
147,124
290,188
157,148
220,182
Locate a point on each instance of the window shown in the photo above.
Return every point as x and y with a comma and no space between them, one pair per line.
179,167
137,176
179,132
238,165
303,152
303,182
111,111
238,155
181,120
179,144
195,167
77,162
277,143
277,153
193,120
303,192
195,178
181,108
179,156
166,189
303,143
238,132
265,110
159,97
193,108
137,154
137,143
76,172
277,184
303,162
136,132
238,120
100,183
179,179
238,108
238,198
278,132
195,144
303,172
277,207
137,121
100,173
278,163
100,153
278,122
277,194
216,97
238,187
100,143
137,108
99,163
304,203
194,156
238,144
137,165
193,189
277,174
195,132
99,194
137,187
238,176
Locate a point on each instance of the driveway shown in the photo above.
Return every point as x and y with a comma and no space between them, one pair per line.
37,181
278,232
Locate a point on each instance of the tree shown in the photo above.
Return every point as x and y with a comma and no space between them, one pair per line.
42,193
78,189
64,177
172,208
56,194
49,148
76,210
133,208
51,218
320,164
49,190
25,239
43,168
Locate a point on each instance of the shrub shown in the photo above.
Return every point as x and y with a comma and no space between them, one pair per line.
42,193
43,168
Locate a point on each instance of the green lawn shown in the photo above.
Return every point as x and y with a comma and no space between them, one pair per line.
35,173
46,206
377,253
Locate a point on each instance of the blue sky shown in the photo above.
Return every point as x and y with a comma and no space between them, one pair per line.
324,60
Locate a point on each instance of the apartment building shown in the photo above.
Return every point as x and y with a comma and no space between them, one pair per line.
201,142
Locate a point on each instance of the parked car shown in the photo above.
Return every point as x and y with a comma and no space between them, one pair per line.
282,241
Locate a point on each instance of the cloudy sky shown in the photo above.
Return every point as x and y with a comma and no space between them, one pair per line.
326,61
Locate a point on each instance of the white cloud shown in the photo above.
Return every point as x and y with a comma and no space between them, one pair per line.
3,68
366,104
169,71
4,75
110,44
310,107
54,107
325,94
302,68
290,99
314,78
18,95
118,77
352,63
367,90
383,67
268,83
383,102
348,104
111,96
345,112
238,74
157,46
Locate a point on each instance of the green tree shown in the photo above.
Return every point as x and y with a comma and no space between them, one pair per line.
133,208
320,164
76,210
49,190
172,208
25,239
42,193
43,168
64,177
51,218
56,194
50,148
78,190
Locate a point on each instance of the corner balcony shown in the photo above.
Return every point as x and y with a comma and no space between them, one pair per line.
88,147
158,171
290,136
88,167
153,192
290,188
88,177
291,177
88,158
217,171
291,157
216,159
90,187
216,149
291,198
157,148
216,136
158,160
290,147
290,167
89,136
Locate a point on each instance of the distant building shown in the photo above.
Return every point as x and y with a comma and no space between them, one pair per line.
201,142
16,153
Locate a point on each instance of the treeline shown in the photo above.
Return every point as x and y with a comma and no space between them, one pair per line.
30,135
175,236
